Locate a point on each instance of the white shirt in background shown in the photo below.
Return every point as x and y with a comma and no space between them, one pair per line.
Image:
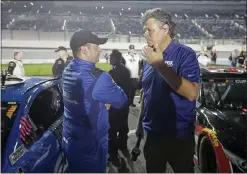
132,63
19,69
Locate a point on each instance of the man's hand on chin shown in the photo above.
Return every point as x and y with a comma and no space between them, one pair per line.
154,55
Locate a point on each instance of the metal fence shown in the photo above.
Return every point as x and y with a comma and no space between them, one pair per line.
65,36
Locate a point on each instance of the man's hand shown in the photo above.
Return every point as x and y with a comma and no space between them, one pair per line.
154,55
108,106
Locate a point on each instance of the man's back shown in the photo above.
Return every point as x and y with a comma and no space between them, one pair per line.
16,68
81,111
86,90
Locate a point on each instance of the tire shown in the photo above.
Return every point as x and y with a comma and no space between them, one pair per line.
207,158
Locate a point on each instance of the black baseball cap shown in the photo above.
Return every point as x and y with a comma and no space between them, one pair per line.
83,37
132,46
61,48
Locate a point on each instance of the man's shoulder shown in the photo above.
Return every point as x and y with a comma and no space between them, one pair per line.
12,63
96,72
186,49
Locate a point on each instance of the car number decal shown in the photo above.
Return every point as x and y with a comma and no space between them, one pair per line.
17,154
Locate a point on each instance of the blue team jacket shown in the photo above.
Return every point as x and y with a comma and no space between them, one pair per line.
86,90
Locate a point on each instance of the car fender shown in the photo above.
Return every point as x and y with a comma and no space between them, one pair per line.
223,163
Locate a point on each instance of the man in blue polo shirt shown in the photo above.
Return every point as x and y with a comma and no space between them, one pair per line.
170,84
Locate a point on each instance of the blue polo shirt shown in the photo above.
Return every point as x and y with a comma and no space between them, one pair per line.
165,111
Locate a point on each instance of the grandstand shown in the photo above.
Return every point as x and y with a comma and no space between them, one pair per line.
197,22
191,23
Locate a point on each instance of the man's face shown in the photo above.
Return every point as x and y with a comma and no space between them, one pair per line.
93,52
19,56
154,32
131,51
61,53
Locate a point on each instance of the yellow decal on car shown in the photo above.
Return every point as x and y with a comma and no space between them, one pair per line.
213,136
11,111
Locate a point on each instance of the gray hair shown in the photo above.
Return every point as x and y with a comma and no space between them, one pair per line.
161,16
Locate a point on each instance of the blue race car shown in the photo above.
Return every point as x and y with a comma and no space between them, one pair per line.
31,125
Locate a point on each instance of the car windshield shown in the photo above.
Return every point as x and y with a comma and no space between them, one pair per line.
8,114
226,93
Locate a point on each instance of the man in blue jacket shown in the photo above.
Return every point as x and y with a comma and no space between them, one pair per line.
170,83
88,93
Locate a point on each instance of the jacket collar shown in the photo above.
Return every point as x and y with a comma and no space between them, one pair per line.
84,62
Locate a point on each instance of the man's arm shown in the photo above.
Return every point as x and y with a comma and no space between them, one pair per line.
187,83
11,67
106,91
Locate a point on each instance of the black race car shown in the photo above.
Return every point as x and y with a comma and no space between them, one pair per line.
221,122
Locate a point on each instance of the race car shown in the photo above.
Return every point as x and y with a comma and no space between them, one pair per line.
221,121
31,125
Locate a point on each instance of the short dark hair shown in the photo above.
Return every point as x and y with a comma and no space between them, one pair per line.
162,16
116,54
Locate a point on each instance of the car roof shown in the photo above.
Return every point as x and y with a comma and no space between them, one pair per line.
20,91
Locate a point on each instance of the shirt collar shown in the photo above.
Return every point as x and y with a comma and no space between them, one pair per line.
170,47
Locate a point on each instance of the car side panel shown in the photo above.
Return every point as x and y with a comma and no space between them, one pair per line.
40,157
202,129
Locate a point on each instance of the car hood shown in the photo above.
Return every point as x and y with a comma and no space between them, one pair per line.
235,117
231,128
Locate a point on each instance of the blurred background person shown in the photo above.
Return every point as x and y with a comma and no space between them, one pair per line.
233,58
62,61
15,67
132,63
106,57
118,118
213,55
241,58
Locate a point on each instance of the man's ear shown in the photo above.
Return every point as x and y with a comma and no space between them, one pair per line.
166,28
84,49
